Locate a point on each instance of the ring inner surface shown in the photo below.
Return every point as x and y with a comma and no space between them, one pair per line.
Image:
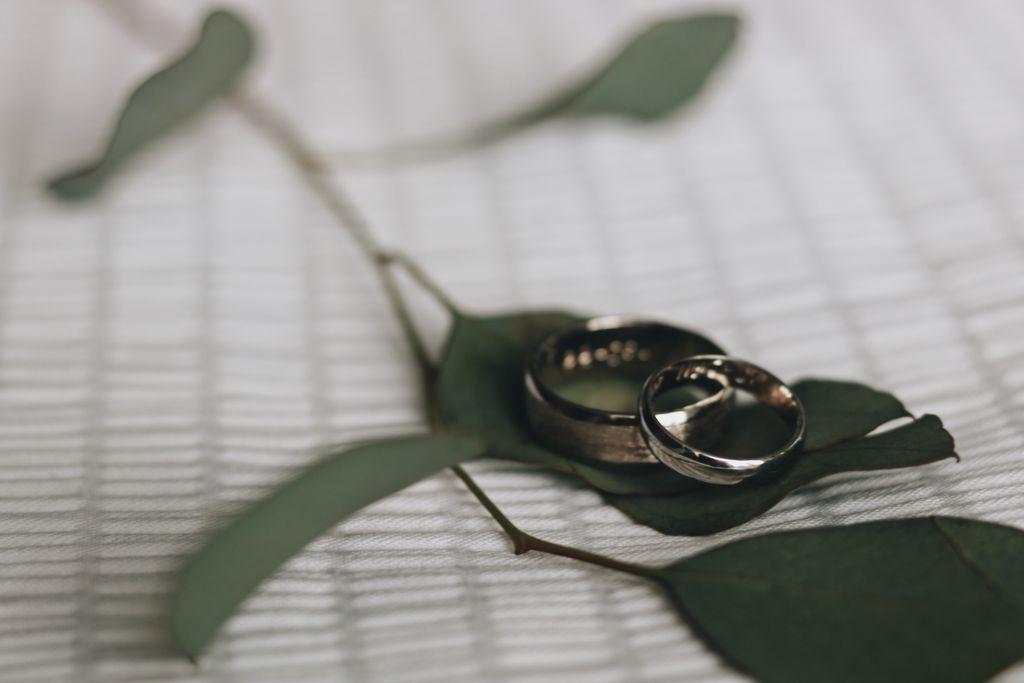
604,369
765,416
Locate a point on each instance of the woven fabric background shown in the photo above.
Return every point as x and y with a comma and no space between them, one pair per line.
848,201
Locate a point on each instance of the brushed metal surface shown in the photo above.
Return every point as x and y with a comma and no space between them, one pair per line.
615,344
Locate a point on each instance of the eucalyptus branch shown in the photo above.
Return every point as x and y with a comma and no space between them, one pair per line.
278,130
722,593
351,219
523,542
268,120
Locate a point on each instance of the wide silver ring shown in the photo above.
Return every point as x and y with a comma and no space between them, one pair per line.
614,344
686,457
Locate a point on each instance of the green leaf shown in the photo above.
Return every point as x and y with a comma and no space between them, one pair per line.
710,509
837,411
253,545
935,599
480,390
656,73
652,76
174,94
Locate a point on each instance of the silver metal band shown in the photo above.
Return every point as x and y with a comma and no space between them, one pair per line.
615,345
686,457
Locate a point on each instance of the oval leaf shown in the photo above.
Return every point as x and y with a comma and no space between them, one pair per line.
652,76
935,599
253,545
174,94
710,509
480,390
838,411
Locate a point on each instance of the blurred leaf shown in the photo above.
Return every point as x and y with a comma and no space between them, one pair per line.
240,556
936,599
480,389
174,94
652,76
710,509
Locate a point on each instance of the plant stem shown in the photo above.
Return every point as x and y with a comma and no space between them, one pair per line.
350,218
523,542
264,117
425,149
277,129
421,278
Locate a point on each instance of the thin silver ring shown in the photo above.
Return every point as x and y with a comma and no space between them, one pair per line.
615,344
685,457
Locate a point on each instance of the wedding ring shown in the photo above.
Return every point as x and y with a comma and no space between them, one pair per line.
687,458
613,348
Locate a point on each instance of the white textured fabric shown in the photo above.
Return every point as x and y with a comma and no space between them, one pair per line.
847,202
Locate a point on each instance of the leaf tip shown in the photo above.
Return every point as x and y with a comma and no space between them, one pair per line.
724,25
193,658
192,625
185,636
74,185
231,25
950,441
728,19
